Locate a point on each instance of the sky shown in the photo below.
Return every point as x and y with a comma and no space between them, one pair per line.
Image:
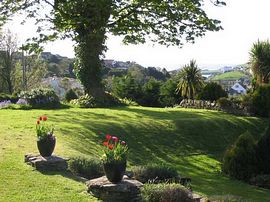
244,22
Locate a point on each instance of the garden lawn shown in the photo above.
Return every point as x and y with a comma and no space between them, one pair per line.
193,141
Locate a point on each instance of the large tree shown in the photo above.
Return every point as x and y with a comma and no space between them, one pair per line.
168,22
8,50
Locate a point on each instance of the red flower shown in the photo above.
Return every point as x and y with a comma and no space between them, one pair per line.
44,118
123,143
110,147
105,144
115,139
108,137
40,118
38,122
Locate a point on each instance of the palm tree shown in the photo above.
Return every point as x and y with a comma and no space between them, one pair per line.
191,80
260,61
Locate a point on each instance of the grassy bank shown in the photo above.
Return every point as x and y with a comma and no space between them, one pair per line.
193,141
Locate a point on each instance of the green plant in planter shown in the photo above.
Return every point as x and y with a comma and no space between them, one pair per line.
45,137
114,158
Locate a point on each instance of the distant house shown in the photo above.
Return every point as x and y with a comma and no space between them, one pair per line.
227,69
237,89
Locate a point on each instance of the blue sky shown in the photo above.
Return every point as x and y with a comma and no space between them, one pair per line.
244,22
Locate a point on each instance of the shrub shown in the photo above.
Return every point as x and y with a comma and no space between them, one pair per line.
165,193
261,101
85,101
70,95
87,168
4,97
261,181
263,152
155,173
212,91
41,97
128,102
240,160
224,103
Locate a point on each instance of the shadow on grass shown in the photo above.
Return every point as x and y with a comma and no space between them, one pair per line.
66,174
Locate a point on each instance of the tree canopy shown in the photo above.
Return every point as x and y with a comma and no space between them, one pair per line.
87,22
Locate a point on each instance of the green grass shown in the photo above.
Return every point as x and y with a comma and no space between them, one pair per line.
234,75
193,141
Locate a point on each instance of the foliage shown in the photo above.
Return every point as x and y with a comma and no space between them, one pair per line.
128,102
4,104
168,95
42,129
260,61
261,181
224,103
6,97
88,168
126,87
261,101
70,95
85,101
8,48
212,91
263,151
165,193
191,80
240,160
87,23
151,91
114,150
155,173
41,97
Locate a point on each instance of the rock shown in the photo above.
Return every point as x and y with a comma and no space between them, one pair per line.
52,163
128,190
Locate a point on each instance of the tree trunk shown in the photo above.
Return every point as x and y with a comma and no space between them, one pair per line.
88,64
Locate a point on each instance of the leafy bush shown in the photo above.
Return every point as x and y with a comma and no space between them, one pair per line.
6,97
85,101
41,97
87,168
212,91
151,91
128,102
224,103
70,95
261,181
263,152
240,160
165,193
155,173
168,95
261,101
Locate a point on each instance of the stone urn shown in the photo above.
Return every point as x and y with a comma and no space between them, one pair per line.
115,170
46,145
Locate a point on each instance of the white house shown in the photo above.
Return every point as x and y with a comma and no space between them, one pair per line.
237,87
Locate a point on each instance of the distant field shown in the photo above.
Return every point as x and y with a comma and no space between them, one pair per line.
229,75
193,141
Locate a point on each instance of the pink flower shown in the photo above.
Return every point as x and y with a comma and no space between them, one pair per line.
123,143
115,139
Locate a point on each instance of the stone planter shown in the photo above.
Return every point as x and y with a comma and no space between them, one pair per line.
46,146
115,170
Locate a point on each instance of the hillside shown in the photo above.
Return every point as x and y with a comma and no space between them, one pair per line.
233,75
193,141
